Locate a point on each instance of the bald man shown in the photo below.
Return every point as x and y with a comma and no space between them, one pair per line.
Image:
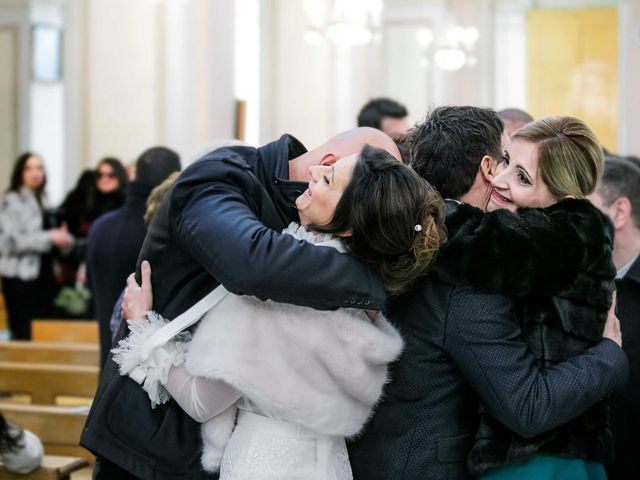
514,119
220,224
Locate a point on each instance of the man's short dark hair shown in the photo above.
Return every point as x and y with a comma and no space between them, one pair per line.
447,147
621,178
155,165
375,110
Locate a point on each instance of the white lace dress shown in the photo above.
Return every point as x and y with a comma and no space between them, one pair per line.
265,448
316,381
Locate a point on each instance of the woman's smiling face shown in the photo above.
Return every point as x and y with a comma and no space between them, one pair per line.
517,181
317,205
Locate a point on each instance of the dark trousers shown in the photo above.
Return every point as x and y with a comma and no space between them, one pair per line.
26,300
22,305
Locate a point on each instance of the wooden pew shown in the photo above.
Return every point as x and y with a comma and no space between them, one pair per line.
73,331
53,467
44,382
59,428
50,352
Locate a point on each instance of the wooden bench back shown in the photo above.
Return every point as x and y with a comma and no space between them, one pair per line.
73,331
50,352
53,467
44,382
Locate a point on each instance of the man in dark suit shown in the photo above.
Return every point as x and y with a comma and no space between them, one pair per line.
618,197
464,347
115,238
220,223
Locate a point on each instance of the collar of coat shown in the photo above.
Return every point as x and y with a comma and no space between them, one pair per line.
634,271
535,251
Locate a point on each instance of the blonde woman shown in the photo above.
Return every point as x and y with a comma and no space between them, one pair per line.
555,163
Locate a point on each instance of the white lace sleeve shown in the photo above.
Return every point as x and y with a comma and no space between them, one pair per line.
156,367
201,398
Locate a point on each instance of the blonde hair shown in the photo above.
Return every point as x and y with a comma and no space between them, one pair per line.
156,196
570,158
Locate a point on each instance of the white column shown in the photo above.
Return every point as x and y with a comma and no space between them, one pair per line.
74,76
197,75
47,124
629,48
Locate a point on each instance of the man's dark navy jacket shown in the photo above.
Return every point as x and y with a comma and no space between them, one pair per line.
220,221
464,347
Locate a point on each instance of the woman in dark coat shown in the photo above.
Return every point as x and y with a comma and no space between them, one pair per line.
97,192
553,164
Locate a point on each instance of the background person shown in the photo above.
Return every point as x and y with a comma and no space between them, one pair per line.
115,238
25,243
618,197
97,192
386,115
20,450
513,119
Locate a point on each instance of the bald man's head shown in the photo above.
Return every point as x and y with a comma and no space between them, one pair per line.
352,141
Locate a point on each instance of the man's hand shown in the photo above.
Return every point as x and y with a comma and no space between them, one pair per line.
138,299
612,326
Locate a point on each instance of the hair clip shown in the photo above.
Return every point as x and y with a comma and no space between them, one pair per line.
418,228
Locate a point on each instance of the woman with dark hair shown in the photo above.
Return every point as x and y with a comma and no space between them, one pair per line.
97,192
20,450
25,266
111,185
76,204
320,373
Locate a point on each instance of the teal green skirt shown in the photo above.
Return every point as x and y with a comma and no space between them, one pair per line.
543,467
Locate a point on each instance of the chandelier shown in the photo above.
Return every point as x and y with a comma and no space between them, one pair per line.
345,22
454,52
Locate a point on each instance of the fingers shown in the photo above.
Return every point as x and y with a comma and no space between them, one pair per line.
614,300
146,275
131,281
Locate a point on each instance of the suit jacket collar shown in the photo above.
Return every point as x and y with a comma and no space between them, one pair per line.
274,172
634,271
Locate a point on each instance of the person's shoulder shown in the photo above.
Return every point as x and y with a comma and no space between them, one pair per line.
476,298
583,216
231,166
221,160
104,223
12,197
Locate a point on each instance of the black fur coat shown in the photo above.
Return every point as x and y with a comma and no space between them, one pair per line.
557,263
